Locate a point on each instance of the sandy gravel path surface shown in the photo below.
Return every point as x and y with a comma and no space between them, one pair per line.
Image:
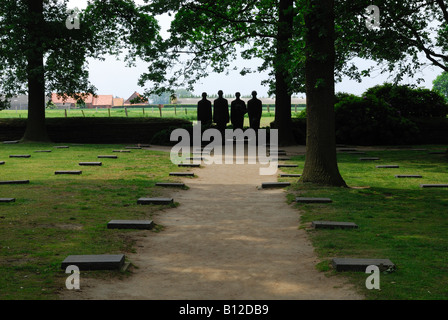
227,240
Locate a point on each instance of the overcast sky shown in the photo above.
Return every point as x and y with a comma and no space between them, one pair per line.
113,77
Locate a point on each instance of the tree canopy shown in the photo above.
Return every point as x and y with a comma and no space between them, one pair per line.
39,54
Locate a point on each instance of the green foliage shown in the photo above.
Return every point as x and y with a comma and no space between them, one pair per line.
440,85
410,101
370,120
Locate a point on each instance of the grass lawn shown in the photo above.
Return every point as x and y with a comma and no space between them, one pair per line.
181,113
58,215
397,220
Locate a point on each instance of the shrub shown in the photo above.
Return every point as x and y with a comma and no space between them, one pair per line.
410,101
370,120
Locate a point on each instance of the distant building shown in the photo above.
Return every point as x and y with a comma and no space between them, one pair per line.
99,101
136,99
118,102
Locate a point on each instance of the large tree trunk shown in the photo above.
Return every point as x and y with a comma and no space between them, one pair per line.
321,161
36,129
282,93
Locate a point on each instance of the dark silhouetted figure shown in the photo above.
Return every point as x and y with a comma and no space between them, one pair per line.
205,111
221,113
254,109
237,111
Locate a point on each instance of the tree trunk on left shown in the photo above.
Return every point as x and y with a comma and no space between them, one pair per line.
282,91
36,129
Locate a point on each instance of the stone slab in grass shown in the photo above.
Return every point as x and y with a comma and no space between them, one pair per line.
408,176
155,201
268,185
20,156
434,185
123,151
192,165
107,157
42,151
62,147
347,150
392,166
11,142
90,163
182,174
130,224
15,182
286,175
170,184
356,152
353,264
333,225
369,159
287,165
95,262
5,200
68,172
313,200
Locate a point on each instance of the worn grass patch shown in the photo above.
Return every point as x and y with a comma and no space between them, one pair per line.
59,215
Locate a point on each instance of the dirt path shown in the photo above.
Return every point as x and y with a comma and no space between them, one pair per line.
226,240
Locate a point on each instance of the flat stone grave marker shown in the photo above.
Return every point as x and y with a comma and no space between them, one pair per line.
107,157
356,152
40,151
284,175
408,176
388,166
155,201
170,184
20,156
333,225
266,185
182,174
130,224
125,151
434,185
369,159
15,182
4,200
68,172
95,262
62,147
287,165
193,165
11,142
2,162
90,163
352,264
313,200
